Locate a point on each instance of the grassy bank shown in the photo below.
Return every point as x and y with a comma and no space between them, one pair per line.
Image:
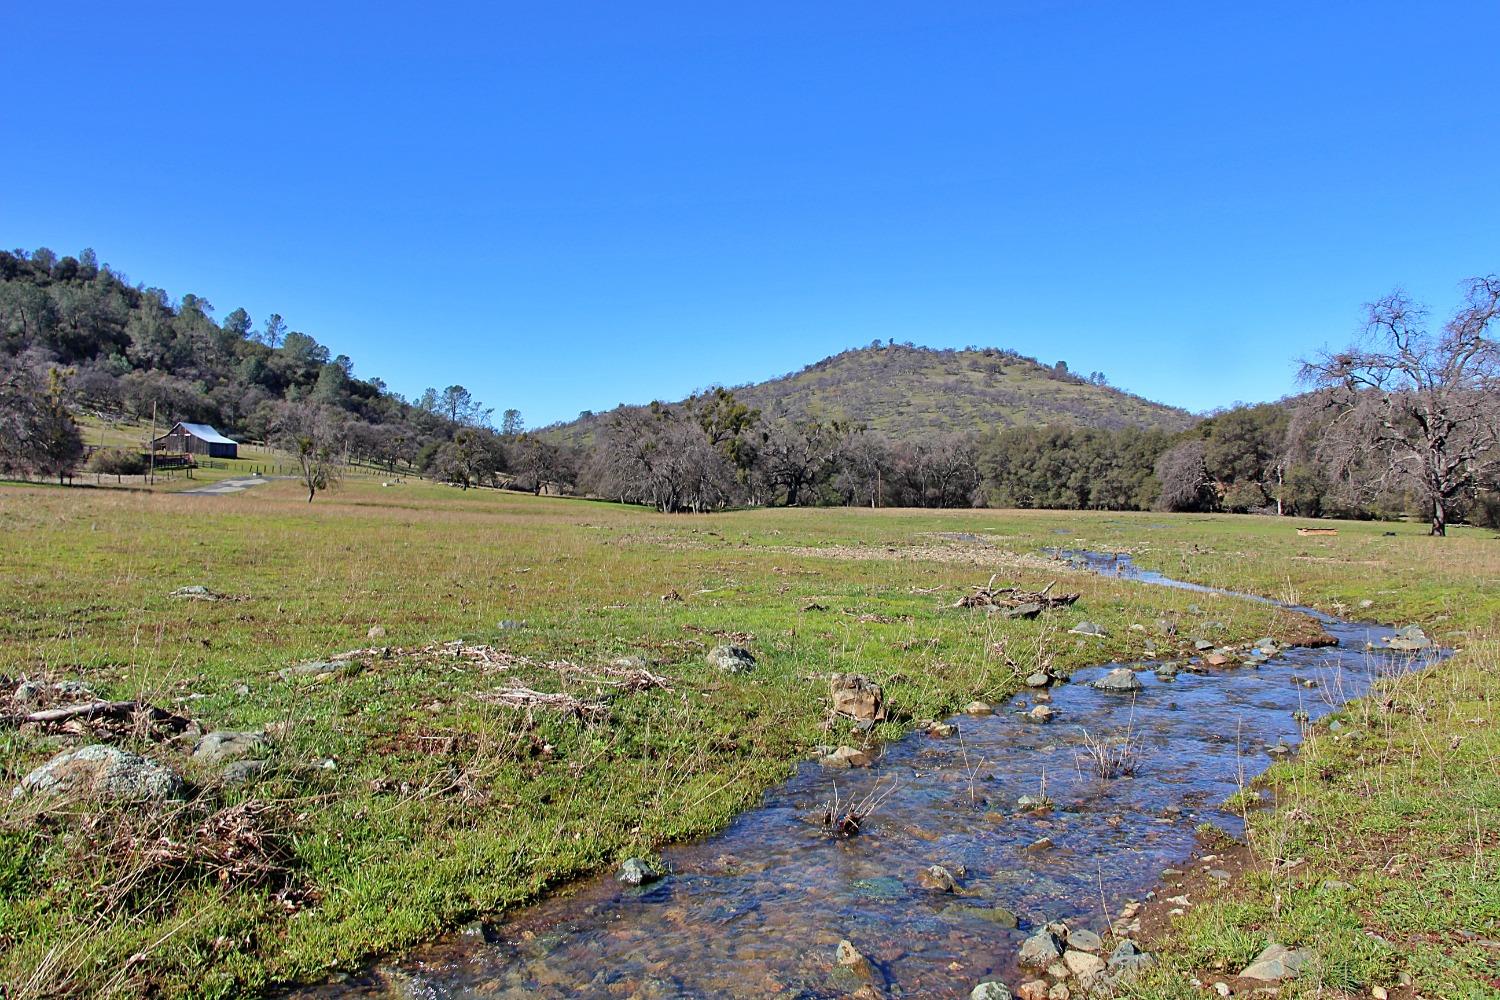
400,800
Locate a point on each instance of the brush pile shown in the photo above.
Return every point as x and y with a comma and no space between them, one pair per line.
1015,602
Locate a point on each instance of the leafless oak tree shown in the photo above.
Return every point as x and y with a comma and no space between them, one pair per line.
1427,406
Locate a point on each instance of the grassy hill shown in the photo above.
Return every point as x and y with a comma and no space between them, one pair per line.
911,391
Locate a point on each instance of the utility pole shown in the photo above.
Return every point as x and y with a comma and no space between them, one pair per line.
151,446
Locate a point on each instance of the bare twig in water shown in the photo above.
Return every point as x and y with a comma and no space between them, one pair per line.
842,817
1110,757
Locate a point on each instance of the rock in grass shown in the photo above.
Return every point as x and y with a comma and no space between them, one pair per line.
990,991
1119,680
856,697
731,659
318,669
196,592
1024,611
1089,628
1276,963
637,871
375,632
103,773
242,772
225,745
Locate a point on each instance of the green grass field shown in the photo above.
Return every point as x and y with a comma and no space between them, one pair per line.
400,802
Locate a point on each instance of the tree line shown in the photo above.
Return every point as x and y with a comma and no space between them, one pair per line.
1406,420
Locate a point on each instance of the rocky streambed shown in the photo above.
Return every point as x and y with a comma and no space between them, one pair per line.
1034,846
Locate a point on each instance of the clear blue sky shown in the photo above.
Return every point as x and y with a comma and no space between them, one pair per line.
565,206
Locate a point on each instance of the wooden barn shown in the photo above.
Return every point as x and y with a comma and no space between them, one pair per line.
196,439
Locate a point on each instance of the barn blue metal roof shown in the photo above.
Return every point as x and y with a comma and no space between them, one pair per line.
206,433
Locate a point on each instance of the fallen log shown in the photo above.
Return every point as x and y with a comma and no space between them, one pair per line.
103,710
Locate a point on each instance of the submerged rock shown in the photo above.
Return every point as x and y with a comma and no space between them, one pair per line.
937,878
731,659
1120,679
849,959
997,915
1041,713
104,773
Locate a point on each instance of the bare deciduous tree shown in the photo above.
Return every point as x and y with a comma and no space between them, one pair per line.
1426,405
313,434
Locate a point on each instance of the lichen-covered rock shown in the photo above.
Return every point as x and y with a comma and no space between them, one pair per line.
990,991
104,773
731,659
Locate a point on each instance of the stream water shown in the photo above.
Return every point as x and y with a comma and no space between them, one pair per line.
757,910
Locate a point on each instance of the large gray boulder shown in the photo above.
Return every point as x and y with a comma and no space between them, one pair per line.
1120,680
103,773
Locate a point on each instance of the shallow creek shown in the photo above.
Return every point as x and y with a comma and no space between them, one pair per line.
757,910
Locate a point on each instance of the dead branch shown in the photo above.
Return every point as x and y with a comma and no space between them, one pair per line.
526,698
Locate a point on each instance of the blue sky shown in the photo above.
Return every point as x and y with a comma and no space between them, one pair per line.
564,206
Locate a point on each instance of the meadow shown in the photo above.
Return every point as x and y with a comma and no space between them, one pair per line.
402,799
